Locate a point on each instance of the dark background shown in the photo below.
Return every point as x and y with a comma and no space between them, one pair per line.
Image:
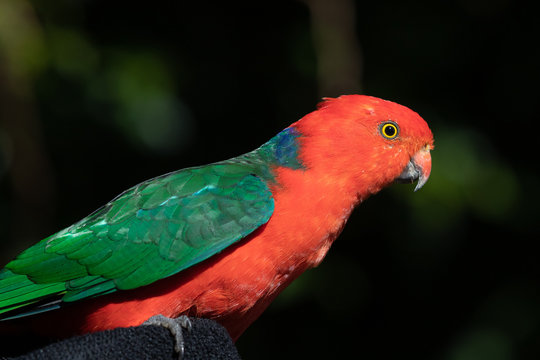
96,96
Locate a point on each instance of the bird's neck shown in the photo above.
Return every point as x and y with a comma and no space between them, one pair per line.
314,208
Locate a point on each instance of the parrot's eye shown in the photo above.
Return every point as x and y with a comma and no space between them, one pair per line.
389,130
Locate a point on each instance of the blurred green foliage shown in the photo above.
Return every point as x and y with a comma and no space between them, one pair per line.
96,96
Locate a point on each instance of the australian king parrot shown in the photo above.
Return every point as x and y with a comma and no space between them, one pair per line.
218,241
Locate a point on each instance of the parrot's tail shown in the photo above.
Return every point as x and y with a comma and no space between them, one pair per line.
17,292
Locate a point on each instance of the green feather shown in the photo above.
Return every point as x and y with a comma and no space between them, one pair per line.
17,290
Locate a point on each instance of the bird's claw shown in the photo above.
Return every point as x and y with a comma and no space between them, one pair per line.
175,327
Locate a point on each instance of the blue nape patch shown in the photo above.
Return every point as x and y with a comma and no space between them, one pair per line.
285,147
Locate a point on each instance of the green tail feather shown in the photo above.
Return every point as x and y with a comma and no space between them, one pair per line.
17,291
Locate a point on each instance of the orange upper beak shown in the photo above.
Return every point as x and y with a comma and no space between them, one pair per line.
418,168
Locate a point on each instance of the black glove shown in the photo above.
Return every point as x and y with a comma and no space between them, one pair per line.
206,340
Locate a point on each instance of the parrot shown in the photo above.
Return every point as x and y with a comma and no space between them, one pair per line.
218,241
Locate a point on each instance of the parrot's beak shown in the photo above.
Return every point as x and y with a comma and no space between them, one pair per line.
418,168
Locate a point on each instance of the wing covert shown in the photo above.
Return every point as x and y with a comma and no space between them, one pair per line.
149,232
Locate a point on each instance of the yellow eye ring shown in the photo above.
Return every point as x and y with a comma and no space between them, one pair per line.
389,130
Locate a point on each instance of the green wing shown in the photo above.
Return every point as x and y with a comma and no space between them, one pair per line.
149,232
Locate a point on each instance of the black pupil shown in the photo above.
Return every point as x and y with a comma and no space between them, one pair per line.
390,130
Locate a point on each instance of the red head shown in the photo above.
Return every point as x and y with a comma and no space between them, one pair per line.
363,143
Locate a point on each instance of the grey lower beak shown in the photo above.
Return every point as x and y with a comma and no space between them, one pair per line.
409,175
417,169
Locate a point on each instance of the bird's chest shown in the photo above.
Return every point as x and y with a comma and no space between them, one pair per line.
245,279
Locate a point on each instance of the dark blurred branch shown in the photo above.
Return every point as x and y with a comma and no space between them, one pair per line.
339,57
29,172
